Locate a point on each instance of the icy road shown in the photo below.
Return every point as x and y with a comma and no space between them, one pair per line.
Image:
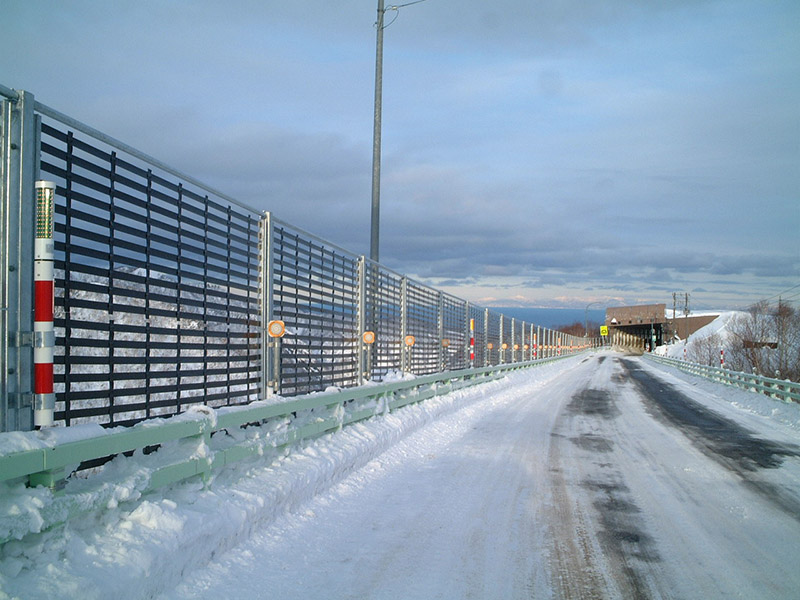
613,480
602,476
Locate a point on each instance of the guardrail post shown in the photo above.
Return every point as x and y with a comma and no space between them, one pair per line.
19,167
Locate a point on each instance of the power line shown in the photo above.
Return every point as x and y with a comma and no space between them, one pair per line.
396,8
783,292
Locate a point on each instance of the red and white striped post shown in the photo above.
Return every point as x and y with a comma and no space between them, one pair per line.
471,343
722,359
44,401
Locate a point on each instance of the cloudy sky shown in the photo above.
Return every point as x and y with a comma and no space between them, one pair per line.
549,153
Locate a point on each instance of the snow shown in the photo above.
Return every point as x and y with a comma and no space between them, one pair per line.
718,327
482,493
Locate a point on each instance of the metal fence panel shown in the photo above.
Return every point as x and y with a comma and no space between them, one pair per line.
316,294
384,310
422,321
164,288
477,316
454,333
493,338
157,295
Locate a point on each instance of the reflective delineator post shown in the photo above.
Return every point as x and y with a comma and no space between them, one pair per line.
44,337
472,343
409,342
276,330
368,339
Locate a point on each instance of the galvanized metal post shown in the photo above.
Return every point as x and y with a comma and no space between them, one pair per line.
513,344
532,343
403,324
362,318
469,338
501,350
440,327
19,171
266,304
486,337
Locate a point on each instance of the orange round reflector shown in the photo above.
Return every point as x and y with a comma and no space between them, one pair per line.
276,329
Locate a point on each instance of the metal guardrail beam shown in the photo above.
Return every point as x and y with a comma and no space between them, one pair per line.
12,95
46,465
787,391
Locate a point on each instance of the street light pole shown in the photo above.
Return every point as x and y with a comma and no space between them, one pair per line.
586,319
376,140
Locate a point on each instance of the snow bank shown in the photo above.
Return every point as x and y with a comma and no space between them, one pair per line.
718,327
141,547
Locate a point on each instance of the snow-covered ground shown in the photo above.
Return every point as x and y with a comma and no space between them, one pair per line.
566,481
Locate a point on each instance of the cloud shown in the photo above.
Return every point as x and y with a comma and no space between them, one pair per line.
557,149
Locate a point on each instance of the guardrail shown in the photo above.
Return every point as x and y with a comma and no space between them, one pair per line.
787,391
195,443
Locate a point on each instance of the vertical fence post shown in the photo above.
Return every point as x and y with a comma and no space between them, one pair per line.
362,318
440,329
469,339
266,305
19,170
403,323
531,343
502,351
516,340
485,337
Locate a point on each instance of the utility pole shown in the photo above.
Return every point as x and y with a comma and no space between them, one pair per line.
686,316
674,303
374,238
376,140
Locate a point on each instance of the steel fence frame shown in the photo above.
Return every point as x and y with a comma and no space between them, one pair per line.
165,288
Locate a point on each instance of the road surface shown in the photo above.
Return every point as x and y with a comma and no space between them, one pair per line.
614,479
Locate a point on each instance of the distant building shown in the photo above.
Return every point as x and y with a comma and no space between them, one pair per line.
644,321
648,320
